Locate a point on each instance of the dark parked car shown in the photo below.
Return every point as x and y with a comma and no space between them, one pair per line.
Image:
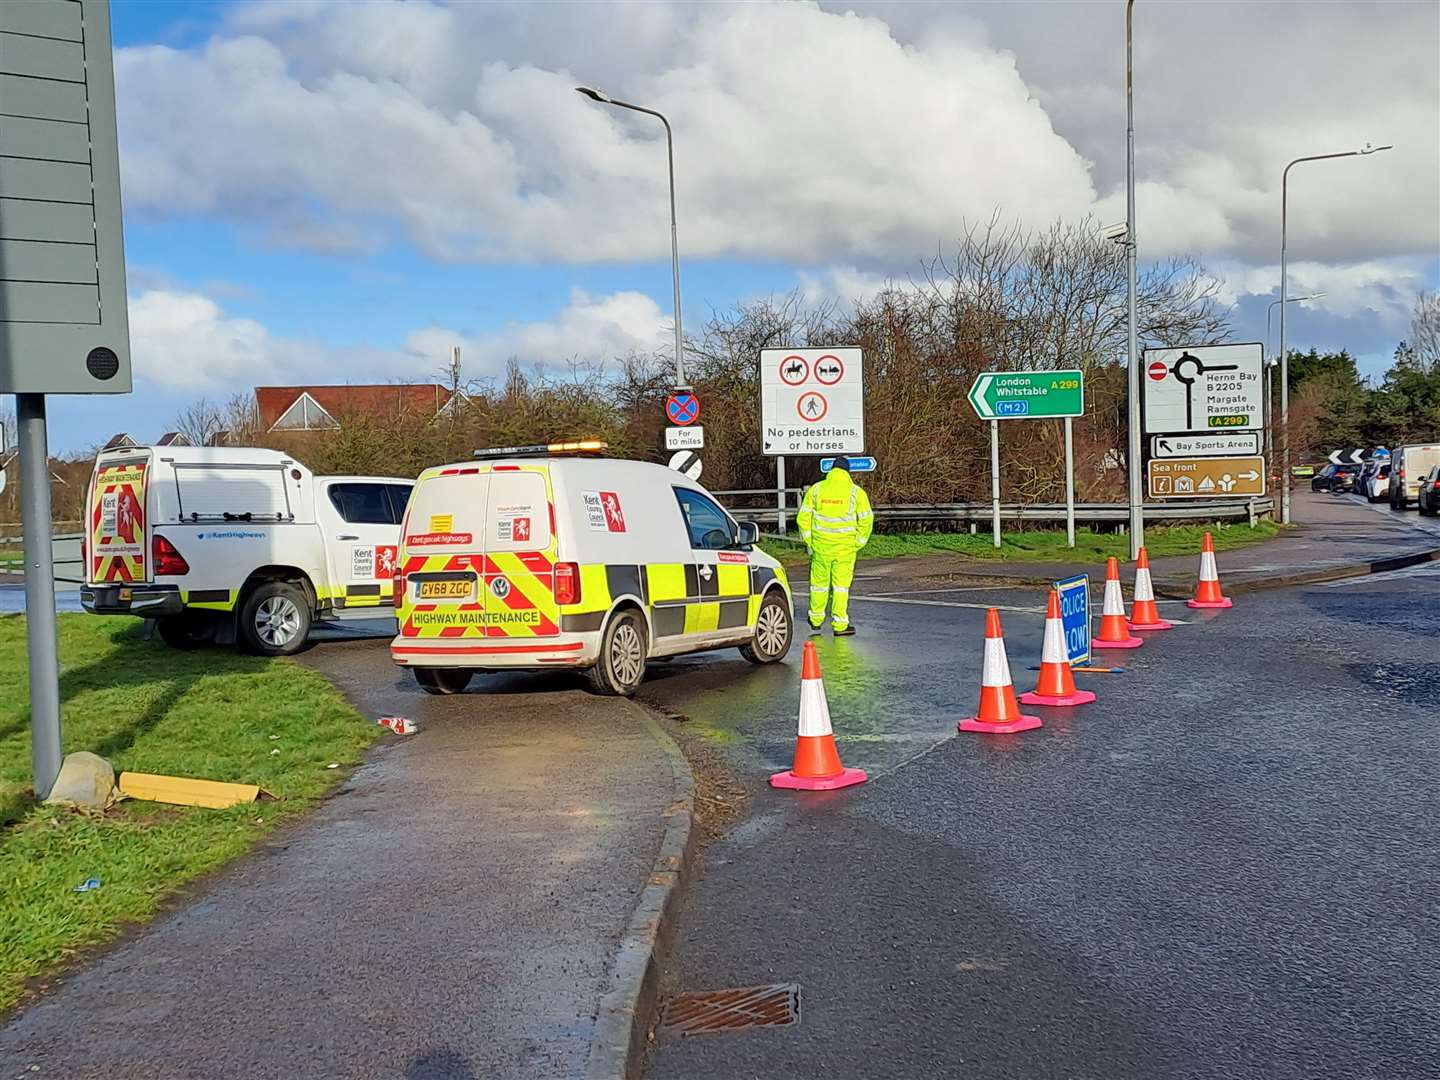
1335,478
1429,498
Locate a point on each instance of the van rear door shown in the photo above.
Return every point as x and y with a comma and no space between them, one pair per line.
479,555
118,537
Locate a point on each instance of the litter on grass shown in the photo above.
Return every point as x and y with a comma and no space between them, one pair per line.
88,885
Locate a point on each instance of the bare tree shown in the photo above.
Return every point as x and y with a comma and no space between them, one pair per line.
200,421
1425,332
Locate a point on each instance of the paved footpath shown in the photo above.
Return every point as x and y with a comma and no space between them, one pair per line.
1225,868
452,914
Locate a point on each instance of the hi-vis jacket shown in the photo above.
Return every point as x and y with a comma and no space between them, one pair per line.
835,515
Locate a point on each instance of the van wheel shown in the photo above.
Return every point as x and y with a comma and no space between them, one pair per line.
443,680
275,619
621,667
188,631
773,630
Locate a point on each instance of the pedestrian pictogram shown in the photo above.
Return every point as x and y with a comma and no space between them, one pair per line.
794,370
682,409
812,406
829,369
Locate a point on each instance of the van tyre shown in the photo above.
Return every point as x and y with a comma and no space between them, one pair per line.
621,667
443,680
774,628
275,619
186,632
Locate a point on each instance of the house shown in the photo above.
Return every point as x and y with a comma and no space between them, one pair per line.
321,408
119,441
173,438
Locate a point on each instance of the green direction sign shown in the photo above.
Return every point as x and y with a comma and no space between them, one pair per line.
1028,395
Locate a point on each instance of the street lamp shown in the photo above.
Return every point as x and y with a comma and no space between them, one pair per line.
1284,360
1272,361
1137,506
606,99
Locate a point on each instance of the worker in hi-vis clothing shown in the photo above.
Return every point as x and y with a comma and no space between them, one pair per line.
835,520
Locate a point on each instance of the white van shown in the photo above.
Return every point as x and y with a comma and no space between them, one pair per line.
552,557
1408,466
218,543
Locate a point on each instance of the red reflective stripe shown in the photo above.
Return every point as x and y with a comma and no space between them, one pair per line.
506,468
552,647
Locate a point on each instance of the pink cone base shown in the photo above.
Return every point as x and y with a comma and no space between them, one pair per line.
1025,723
1208,604
1128,643
844,778
1079,697
1161,625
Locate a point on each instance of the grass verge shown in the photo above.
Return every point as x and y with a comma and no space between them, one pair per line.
1044,546
211,714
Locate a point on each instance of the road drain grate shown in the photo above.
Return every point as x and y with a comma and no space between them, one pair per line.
777,1005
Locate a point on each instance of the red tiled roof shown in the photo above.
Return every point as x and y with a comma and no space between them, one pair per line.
379,399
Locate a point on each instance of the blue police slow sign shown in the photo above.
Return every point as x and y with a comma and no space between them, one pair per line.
1075,616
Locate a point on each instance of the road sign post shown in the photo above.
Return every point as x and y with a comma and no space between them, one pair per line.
62,280
1030,395
1069,481
995,479
780,492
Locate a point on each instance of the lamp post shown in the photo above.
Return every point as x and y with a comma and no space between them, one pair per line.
1284,360
1137,506
606,99
1272,361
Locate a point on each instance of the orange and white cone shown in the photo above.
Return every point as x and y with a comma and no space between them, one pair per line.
1145,615
999,712
1114,627
1207,589
1057,681
817,763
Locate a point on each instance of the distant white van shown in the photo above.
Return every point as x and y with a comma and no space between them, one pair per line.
554,557
220,543
1408,466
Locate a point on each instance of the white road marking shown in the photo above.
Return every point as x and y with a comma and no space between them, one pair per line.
1420,570
948,603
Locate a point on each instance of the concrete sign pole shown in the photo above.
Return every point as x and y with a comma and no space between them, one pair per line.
1069,482
1133,462
995,479
39,593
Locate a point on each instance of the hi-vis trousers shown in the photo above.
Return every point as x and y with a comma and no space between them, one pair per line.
831,571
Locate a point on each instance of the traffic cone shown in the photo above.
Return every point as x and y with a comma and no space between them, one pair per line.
1114,627
1145,615
817,763
999,712
1207,589
1057,681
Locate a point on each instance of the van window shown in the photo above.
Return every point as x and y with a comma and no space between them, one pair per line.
710,527
519,512
363,504
399,496
208,492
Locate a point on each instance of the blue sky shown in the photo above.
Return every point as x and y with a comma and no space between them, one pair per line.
328,193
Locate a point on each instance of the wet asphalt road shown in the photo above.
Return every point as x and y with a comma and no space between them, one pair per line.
451,914
1227,867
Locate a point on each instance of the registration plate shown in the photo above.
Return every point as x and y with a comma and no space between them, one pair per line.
445,590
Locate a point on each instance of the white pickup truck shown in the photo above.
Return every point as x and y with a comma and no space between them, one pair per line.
218,543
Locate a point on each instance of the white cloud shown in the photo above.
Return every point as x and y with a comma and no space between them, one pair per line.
186,342
589,329
800,133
